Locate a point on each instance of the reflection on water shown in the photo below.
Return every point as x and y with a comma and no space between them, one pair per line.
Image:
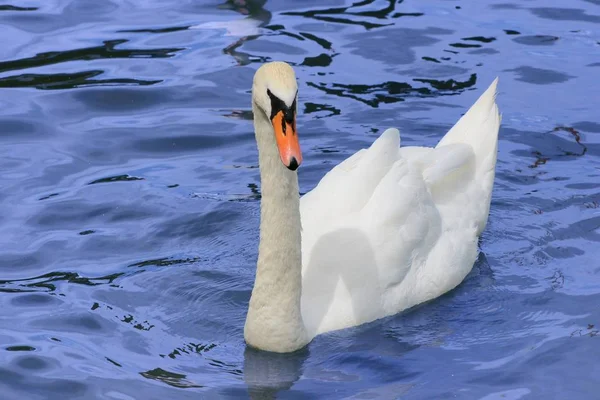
76,79
354,16
130,204
267,374
392,92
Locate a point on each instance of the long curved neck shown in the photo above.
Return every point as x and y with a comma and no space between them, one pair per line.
274,320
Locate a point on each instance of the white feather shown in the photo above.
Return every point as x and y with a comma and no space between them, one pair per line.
392,227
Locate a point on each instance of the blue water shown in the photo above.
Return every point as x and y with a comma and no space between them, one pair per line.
130,194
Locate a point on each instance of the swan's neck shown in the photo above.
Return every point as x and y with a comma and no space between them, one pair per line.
274,320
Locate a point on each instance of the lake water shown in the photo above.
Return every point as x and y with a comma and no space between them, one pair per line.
130,195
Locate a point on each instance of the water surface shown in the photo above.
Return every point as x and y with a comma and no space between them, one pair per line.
130,195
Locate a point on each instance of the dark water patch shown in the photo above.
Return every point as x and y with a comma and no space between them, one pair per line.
225,367
19,261
121,99
322,60
14,127
185,144
117,178
68,81
235,197
156,30
483,51
583,186
537,40
375,45
28,386
562,252
464,45
431,59
8,7
450,85
164,262
275,27
505,6
36,300
400,15
20,348
47,282
587,126
142,326
565,14
381,92
593,65
381,13
511,32
209,223
83,7
49,196
588,228
312,108
347,15
392,92
481,39
170,378
188,349
35,363
500,379
265,46
72,215
539,76
107,51
113,362
324,43
79,322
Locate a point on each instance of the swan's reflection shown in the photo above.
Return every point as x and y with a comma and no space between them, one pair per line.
266,373
257,17
245,29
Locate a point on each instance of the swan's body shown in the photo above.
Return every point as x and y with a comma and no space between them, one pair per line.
388,228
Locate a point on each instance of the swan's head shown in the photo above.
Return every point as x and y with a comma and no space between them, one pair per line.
275,92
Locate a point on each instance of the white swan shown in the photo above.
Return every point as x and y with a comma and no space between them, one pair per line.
385,230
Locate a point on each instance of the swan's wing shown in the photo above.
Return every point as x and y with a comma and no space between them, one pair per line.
450,174
402,221
357,267
348,186
390,228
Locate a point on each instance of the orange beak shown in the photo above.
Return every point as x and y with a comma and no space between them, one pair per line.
287,141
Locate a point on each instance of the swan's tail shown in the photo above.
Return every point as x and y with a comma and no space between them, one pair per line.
479,129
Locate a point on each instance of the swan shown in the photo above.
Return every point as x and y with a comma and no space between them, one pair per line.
388,228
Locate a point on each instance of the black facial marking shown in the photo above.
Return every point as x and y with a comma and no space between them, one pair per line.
289,113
